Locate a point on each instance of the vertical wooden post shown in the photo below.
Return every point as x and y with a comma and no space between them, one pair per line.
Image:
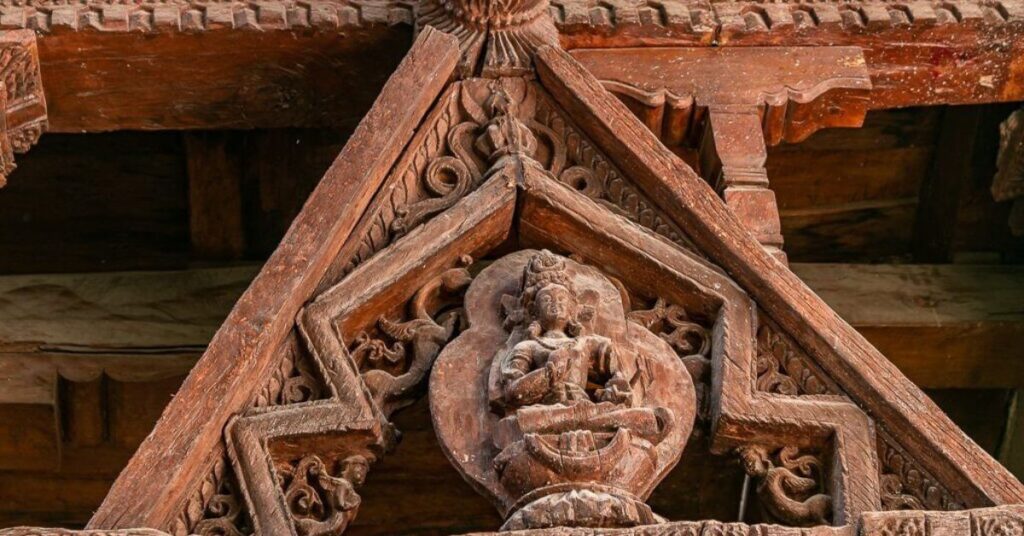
733,155
215,200
939,202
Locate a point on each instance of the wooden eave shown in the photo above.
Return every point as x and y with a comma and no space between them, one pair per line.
284,63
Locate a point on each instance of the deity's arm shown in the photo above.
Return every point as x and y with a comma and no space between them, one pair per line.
517,361
606,368
603,356
523,382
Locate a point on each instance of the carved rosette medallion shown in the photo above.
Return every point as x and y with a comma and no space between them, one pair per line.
498,36
553,404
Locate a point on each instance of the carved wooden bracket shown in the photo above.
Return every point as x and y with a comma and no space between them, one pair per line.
21,97
798,90
732,158
732,103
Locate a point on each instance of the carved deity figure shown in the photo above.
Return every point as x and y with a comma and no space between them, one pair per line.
504,134
556,361
583,411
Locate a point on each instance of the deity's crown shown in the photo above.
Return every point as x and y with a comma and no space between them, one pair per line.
543,269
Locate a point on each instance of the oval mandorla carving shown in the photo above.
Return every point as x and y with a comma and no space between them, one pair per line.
584,411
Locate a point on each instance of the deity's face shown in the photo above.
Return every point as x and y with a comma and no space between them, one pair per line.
554,307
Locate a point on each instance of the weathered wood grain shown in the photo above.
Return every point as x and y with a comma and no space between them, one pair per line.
215,196
831,87
286,63
944,326
223,79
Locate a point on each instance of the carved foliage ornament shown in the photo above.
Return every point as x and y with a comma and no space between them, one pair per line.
790,484
546,395
22,103
475,130
583,382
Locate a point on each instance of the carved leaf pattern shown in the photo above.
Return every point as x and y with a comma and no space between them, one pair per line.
294,381
784,369
997,524
320,503
396,358
906,486
216,508
590,173
903,527
19,74
690,340
408,186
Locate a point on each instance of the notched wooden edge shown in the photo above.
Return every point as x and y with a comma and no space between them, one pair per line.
870,379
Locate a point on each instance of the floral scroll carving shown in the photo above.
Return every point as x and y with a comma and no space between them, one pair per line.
906,486
690,339
784,369
394,372
589,172
217,508
552,397
319,503
312,489
790,485
477,126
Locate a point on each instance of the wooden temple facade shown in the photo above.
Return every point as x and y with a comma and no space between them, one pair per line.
537,267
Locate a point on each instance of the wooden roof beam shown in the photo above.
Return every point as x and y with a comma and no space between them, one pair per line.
195,65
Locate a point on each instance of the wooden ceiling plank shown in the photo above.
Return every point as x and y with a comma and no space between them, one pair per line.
944,326
958,317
